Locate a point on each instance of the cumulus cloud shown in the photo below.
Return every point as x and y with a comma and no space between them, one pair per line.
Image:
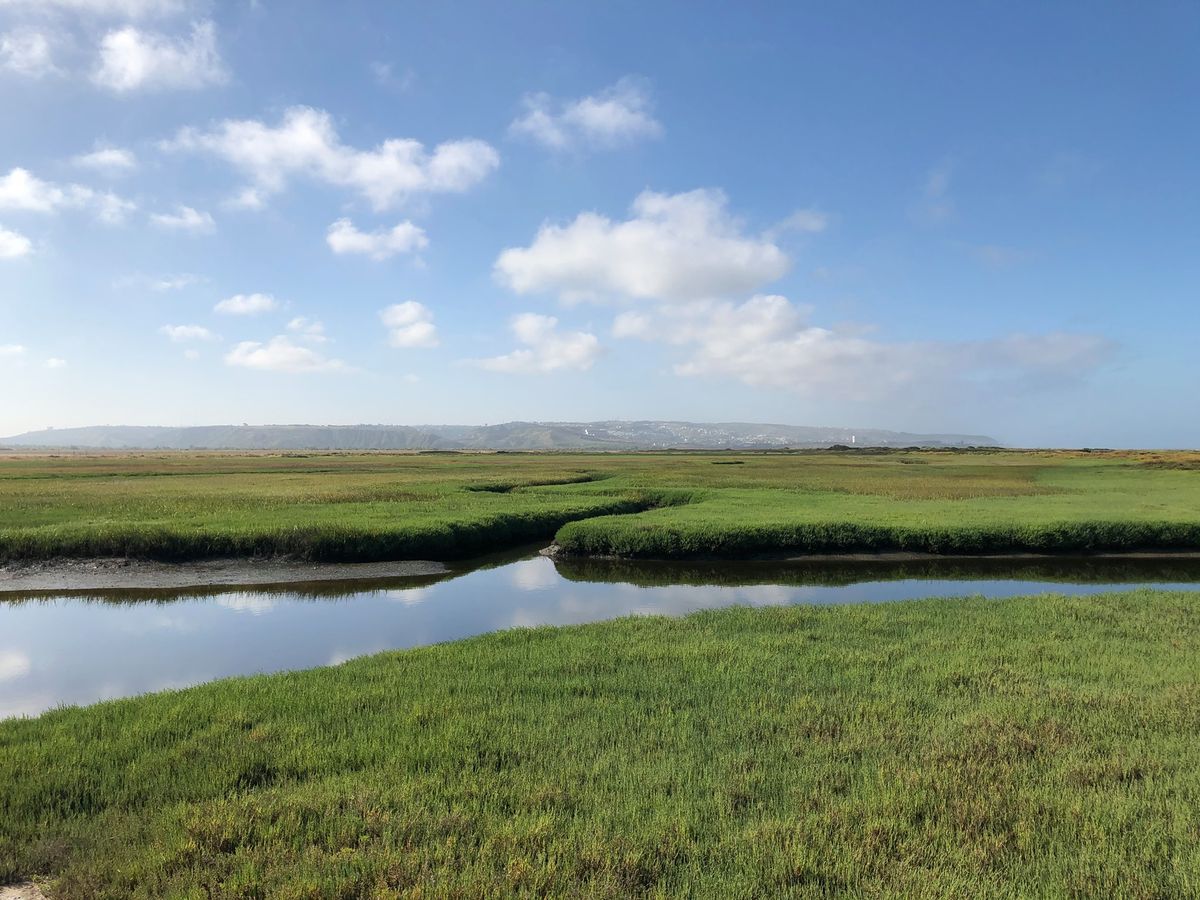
55,362
246,305
112,209
132,59
307,144
673,248
767,341
21,190
14,245
183,333
185,219
281,354
633,325
110,161
617,115
28,53
546,348
310,331
406,237
11,351
409,324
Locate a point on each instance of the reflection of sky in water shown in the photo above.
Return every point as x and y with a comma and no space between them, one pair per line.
68,650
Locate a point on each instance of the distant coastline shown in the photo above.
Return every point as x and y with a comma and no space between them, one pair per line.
603,435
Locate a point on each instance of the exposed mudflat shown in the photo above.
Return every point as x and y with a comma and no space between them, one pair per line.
118,574
26,891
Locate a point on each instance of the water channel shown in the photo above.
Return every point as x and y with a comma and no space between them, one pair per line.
58,649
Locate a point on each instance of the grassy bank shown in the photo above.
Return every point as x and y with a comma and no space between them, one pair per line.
926,749
349,507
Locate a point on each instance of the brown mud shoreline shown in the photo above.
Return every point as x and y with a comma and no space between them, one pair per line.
123,574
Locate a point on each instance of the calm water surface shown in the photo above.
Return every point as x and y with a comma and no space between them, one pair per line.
57,650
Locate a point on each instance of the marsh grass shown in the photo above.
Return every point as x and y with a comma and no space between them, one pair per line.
349,507
1043,746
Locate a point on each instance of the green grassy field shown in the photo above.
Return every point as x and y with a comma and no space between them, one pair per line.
394,506
1044,746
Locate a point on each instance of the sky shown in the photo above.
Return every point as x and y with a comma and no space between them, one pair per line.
939,217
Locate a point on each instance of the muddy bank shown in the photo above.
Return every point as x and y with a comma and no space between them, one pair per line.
119,574
27,891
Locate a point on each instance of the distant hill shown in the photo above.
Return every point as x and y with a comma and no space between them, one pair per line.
612,435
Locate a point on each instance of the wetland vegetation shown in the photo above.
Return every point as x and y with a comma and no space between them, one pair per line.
363,507
934,748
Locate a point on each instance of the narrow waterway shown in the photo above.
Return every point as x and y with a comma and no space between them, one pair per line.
57,650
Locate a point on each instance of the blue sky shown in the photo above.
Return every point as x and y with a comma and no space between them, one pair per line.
934,216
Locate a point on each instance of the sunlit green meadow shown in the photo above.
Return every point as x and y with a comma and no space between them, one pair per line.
1045,746
396,506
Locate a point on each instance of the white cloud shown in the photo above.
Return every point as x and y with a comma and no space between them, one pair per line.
185,219
247,198
675,248
123,8
386,76
547,349
183,333
247,305
111,209
409,324
406,237
158,283
767,341
174,282
21,190
55,362
308,330
10,351
812,221
281,354
632,325
617,115
14,245
306,143
132,59
110,161
27,52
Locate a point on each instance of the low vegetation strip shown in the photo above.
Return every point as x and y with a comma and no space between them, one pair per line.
372,507
932,748
656,538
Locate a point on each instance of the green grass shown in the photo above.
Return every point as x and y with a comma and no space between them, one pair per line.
1044,746
393,506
